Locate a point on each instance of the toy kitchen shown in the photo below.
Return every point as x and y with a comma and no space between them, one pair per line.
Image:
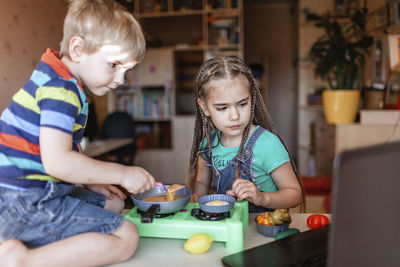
180,219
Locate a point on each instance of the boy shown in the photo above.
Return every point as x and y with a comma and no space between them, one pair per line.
44,219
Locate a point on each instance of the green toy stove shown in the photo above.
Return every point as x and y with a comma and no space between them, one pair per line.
190,220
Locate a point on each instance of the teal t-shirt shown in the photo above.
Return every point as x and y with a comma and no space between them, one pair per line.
268,154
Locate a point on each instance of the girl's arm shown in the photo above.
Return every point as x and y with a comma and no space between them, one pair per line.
203,179
62,162
288,195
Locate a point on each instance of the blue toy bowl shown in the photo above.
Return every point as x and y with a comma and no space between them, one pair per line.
272,230
203,200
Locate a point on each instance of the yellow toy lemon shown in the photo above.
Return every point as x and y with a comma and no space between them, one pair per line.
198,243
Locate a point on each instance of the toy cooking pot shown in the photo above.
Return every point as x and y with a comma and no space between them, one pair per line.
150,208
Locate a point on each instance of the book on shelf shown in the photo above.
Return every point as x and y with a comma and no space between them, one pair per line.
125,104
223,32
150,103
223,4
154,105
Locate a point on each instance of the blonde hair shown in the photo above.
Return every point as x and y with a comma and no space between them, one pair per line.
228,67
101,22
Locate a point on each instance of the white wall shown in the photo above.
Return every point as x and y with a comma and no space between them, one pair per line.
270,32
170,165
27,28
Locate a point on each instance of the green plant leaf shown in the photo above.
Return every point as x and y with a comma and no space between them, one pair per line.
339,54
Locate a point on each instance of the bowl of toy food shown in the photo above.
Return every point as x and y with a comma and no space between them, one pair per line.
216,203
270,223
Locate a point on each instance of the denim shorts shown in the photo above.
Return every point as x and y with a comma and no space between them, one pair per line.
38,216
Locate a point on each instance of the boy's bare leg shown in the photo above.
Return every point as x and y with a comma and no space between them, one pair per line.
88,249
115,204
12,253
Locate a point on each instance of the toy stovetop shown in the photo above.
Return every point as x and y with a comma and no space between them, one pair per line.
182,225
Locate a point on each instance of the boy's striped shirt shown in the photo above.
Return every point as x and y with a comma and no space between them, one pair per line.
52,98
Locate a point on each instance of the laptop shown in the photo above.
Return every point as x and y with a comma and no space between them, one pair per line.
365,227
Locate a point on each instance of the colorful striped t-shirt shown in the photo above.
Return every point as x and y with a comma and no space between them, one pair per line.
52,97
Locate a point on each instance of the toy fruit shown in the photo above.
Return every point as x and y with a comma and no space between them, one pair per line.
280,216
317,220
217,203
277,217
198,243
263,219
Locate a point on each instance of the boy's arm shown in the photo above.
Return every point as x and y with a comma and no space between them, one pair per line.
203,179
62,162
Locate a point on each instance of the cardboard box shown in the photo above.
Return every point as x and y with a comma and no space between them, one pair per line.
393,46
324,147
382,117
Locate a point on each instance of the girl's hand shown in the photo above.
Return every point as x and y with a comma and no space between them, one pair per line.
137,180
245,189
108,190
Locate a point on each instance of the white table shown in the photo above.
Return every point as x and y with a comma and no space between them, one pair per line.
170,252
101,147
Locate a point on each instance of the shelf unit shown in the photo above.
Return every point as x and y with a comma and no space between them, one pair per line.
187,64
196,31
148,96
214,27
180,36
308,116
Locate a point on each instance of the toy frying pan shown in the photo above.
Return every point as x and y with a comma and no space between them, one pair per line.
153,207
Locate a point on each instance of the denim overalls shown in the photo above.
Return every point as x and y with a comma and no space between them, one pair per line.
222,180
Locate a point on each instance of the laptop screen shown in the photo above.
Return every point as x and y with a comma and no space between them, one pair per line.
365,228
365,207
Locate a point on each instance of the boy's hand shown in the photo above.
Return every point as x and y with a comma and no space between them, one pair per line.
194,198
245,189
108,190
137,180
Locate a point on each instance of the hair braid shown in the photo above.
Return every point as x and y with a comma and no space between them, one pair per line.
262,117
249,77
202,127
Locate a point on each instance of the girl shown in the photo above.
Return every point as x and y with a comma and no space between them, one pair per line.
236,148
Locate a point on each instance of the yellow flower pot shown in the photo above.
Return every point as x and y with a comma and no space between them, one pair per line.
340,106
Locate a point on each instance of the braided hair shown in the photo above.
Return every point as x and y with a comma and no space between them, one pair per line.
228,67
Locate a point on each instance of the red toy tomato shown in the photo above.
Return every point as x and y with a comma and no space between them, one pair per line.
317,220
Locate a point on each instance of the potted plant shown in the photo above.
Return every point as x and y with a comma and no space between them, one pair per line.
338,57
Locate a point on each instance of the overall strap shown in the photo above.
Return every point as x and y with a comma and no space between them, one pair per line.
206,150
250,144
257,133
